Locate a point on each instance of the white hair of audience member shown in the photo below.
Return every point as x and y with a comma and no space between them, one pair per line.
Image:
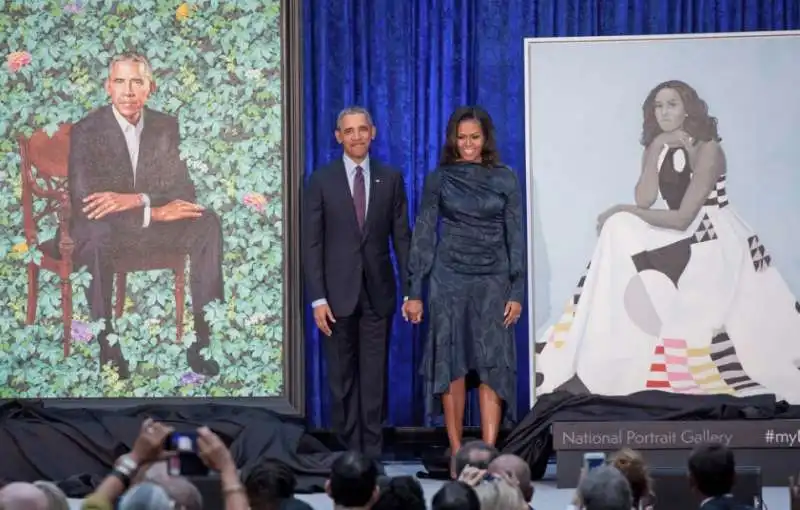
56,499
146,496
22,496
605,488
498,494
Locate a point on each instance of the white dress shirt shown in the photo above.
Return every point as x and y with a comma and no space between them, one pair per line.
133,136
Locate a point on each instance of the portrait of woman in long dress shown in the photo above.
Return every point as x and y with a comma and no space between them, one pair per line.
680,294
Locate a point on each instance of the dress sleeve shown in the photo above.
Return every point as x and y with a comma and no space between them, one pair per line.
423,241
514,241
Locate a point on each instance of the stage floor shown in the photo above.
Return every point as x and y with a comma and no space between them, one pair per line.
545,496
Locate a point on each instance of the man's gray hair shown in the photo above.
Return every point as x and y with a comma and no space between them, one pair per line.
605,488
146,496
132,56
353,110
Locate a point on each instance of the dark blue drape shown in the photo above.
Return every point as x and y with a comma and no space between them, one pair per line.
411,62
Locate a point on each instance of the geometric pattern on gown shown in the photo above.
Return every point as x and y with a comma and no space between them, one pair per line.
713,369
671,260
761,259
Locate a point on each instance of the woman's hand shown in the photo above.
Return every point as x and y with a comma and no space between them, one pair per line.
512,312
601,220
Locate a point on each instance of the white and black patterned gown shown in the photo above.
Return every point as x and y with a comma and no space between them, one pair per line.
700,311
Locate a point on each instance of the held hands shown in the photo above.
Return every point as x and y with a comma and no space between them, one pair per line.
413,311
511,314
177,210
99,205
322,316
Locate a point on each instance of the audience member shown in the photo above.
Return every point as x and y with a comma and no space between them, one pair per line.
455,496
148,448
182,491
56,499
513,466
604,488
712,473
145,496
631,464
401,493
474,453
22,496
499,494
270,486
353,481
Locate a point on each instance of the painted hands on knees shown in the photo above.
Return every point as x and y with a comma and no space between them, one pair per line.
323,317
413,311
511,314
177,210
99,205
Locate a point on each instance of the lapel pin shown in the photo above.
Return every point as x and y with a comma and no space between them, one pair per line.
377,180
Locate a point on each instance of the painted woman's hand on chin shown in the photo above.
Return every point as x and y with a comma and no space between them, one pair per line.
677,138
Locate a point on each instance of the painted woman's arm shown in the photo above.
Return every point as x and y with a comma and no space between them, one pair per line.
647,187
709,165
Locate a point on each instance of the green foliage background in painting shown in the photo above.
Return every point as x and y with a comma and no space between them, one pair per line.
218,70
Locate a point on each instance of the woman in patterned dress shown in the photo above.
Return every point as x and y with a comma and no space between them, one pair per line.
477,273
680,295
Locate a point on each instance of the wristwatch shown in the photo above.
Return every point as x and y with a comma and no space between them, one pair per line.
124,469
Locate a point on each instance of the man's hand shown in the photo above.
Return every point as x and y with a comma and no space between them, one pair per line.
412,310
98,205
177,210
322,316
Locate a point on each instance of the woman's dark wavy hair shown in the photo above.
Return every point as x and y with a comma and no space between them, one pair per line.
489,154
699,124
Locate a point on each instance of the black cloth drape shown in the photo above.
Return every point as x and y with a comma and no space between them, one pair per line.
77,447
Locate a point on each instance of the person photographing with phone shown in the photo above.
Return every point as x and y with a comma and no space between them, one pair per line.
149,448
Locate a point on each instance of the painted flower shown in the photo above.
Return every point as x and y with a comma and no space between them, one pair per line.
20,248
183,12
190,378
17,60
255,201
255,319
74,7
81,332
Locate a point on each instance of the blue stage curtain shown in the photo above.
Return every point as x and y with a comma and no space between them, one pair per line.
411,62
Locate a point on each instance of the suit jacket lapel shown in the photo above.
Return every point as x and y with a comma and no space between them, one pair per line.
118,149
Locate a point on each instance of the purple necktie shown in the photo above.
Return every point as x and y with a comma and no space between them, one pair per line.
360,197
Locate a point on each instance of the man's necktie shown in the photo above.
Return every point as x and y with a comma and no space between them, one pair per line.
360,197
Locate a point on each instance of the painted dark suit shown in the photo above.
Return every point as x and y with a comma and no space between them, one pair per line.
101,161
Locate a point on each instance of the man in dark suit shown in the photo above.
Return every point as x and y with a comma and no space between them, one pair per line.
352,207
131,193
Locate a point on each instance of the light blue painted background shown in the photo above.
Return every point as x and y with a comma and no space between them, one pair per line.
585,103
